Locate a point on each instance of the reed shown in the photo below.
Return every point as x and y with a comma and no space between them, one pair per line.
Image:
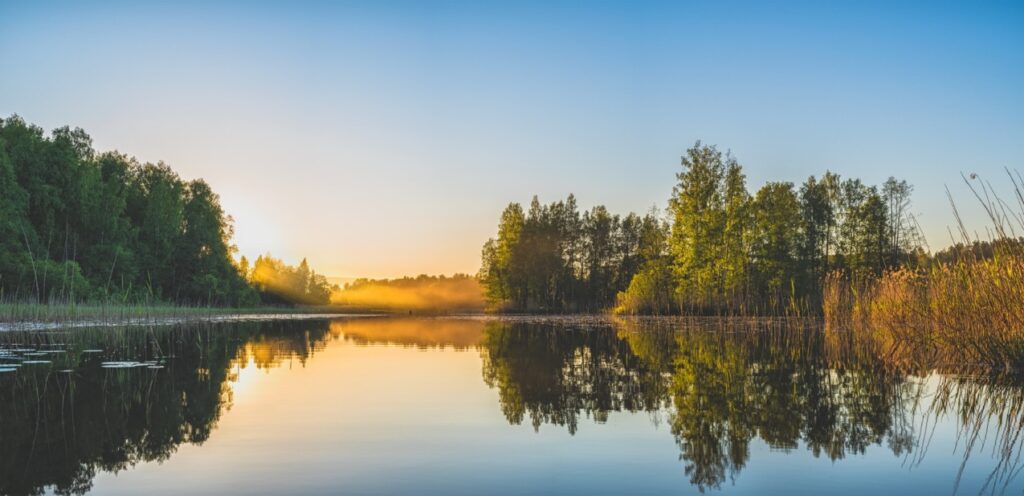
967,311
14,314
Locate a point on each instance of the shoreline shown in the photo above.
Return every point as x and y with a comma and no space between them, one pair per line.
37,316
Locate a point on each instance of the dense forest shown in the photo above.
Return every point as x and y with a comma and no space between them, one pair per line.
721,249
79,225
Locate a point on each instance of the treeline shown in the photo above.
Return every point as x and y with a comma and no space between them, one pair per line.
979,250
279,283
76,225
722,249
79,225
552,258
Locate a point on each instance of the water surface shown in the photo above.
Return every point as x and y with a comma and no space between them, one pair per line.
385,405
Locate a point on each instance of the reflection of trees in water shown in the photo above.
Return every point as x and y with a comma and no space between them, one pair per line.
729,388
723,387
790,386
553,374
60,429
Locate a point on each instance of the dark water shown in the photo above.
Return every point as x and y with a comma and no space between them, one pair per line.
476,406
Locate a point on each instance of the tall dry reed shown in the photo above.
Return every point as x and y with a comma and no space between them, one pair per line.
965,312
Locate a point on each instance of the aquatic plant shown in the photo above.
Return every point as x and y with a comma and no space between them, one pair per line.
965,308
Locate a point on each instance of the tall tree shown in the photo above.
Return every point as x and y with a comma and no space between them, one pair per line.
698,217
774,245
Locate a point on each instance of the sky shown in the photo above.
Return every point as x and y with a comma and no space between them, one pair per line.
381,138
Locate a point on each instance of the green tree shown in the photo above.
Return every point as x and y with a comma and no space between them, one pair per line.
735,233
774,243
499,271
698,218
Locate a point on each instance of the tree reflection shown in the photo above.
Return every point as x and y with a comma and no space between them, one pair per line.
722,386
553,374
725,383
60,429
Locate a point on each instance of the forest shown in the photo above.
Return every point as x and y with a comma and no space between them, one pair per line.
77,225
80,225
719,250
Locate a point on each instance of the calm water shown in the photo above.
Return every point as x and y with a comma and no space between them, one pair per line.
478,406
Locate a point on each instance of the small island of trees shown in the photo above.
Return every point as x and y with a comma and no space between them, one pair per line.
722,250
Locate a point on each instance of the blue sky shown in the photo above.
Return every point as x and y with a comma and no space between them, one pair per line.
384,138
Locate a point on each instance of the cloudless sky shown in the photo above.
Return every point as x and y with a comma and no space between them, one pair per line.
384,138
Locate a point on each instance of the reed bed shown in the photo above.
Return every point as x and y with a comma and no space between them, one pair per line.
964,312
12,312
967,313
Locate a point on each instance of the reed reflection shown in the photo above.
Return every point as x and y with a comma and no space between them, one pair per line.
724,383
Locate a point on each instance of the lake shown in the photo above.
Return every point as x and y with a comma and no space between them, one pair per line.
476,405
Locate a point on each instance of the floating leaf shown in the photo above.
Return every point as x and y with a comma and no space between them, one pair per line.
118,365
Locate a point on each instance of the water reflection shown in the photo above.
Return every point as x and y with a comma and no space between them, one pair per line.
719,387
62,423
723,388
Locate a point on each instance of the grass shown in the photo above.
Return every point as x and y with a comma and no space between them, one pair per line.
18,312
968,312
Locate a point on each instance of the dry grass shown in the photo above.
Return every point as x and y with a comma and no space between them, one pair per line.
968,312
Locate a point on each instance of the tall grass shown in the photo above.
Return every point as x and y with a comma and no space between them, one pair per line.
968,311
14,313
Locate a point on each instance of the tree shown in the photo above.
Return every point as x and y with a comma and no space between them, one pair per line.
817,219
903,236
774,243
76,225
735,233
498,270
697,222
280,283
723,252
553,259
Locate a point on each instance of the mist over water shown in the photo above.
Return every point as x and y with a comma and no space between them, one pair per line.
424,293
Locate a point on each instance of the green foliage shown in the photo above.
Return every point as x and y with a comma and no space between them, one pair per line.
554,259
697,208
280,283
77,225
733,253
726,252
650,292
775,240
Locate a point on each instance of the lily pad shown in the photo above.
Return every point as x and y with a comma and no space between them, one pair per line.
118,365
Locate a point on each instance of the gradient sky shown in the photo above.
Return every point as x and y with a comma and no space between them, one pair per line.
384,138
